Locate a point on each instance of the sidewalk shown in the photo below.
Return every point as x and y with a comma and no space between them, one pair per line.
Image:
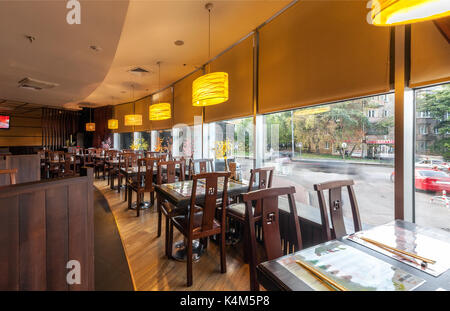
387,164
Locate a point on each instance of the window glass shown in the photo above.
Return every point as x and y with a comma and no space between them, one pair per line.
432,155
162,141
353,139
231,140
125,140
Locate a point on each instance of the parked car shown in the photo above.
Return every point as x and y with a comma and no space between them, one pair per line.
434,164
428,179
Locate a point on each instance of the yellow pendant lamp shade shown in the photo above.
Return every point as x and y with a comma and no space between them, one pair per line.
113,124
133,119
90,127
160,111
210,89
398,12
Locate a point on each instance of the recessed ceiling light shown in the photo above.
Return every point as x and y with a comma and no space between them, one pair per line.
95,48
179,42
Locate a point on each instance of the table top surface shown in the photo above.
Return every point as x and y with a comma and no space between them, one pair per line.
284,274
179,193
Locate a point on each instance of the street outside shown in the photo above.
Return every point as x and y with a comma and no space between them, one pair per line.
373,187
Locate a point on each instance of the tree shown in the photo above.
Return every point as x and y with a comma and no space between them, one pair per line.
437,104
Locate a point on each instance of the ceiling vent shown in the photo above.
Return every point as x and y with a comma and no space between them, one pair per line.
138,70
33,84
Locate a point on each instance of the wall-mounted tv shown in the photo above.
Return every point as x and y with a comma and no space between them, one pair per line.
4,122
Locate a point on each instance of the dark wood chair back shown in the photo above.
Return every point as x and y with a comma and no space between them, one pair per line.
145,173
12,175
68,164
167,172
266,201
335,207
263,176
209,204
202,166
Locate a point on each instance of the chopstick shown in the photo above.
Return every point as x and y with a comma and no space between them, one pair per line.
393,249
321,276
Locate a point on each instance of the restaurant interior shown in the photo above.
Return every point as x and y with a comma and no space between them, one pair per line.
225,145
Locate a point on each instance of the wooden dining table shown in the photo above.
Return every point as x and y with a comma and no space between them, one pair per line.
359,265
179,194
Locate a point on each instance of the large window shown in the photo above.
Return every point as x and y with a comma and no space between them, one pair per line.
231,140
432,181
346,140
161,140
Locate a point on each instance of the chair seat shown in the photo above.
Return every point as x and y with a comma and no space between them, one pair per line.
170,209
237,210
181,223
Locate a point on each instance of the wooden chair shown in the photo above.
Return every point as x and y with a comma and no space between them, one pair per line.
202,166
202,224
143,184
110,155
67,170
335,206
89,158
130,160
236,212
55,163
166,174
262,206
12,175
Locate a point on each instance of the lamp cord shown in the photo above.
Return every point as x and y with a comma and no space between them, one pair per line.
209,39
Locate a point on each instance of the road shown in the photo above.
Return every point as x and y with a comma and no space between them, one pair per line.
373,187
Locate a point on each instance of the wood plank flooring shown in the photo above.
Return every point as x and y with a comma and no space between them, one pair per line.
149,267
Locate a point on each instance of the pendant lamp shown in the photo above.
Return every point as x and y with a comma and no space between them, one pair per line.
133,119
159,111
398,12
90,127
211,88
113,124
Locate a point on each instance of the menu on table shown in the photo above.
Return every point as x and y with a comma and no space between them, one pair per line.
350,268
427,243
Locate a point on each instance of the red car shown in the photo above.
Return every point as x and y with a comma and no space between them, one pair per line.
432,180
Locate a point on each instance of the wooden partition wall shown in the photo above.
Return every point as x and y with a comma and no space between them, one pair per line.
44,225
28,168
57,126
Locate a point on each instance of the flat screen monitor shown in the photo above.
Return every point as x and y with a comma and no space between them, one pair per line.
4,122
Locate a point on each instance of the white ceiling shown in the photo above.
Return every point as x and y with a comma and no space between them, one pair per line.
61,52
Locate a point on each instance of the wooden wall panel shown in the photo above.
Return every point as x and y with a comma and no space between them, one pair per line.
25,130
102,133
43,225
57,126
28,166
9,240
57,237
32,240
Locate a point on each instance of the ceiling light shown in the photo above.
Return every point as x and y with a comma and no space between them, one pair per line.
159,111
397,12
133,119
212,88
113,124
90,127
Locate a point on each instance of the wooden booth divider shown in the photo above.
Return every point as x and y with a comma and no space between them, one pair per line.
44,225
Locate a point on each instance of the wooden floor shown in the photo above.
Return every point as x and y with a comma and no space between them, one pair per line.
151,270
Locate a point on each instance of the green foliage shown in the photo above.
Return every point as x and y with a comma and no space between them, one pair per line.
437,103
139,144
